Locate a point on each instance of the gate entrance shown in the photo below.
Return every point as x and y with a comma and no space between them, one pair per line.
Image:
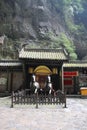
42,80
42,73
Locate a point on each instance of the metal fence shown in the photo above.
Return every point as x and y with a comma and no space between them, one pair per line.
26,97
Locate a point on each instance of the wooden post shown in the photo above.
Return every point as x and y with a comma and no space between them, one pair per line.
24,74
37,100
11,83
12,96
7,80
62,79
65,101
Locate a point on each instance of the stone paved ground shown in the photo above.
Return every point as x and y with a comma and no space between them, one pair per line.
49,117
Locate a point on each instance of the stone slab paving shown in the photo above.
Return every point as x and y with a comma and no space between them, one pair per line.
46,117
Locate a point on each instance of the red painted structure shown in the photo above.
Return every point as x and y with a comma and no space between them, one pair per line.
69,80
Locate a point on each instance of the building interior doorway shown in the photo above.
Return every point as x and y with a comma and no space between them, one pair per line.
42,80
42,73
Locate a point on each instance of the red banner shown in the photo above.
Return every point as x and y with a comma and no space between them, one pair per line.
70,73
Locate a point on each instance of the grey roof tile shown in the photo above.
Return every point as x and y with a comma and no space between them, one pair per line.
51,54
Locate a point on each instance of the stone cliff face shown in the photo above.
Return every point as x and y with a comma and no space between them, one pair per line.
30,19
36,20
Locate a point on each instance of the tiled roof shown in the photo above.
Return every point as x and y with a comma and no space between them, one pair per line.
45,54
10,63
72,65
